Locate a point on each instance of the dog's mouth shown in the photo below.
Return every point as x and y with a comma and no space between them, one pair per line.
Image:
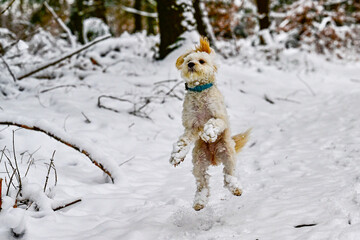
191,69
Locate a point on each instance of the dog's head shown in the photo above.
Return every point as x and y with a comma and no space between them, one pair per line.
198,66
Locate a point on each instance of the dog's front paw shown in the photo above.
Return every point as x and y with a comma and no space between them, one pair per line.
180,149
210,132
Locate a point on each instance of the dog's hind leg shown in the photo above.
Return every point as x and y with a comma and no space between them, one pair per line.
226,154
201,161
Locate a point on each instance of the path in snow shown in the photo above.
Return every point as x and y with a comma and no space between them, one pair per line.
300,167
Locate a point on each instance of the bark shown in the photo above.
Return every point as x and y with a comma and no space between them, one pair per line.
137,17
263,10
171,26
76,19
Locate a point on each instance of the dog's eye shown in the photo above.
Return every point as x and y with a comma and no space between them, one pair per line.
201,61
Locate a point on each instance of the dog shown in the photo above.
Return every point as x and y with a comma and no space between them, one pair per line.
206,124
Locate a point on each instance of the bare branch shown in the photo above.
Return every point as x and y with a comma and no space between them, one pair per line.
3,11
141,13
66,205
69,55
0,193
8,68
66,142
47,175
61,86
61,24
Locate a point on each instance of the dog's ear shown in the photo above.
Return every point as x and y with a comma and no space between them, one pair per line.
180,60
204,45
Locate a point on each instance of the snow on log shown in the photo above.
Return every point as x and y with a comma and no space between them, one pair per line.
107,166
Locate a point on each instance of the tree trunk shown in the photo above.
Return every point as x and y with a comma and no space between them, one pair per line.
202,22
172,23
137,17
264,22
150,21
263,10
100,10
76,19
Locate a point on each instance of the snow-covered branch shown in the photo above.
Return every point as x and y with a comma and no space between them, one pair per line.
63,139
141,13
56,61
62,24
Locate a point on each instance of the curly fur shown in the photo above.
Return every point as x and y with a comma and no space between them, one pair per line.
206,124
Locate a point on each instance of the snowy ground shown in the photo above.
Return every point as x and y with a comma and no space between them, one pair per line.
301,166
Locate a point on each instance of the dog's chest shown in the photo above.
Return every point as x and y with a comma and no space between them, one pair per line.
198,109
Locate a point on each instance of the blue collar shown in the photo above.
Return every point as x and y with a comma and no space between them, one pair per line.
199,88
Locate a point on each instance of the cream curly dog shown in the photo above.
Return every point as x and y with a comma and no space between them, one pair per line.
206,123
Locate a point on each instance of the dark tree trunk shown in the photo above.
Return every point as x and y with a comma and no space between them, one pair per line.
100,10
137,17
76,19
263,10
171,17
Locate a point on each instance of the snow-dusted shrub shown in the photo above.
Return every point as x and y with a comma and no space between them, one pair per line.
93,28
323,25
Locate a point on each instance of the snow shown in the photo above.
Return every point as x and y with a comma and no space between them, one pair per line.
300,167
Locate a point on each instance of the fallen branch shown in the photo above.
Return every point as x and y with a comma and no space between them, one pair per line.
66,142
0,193
64,57
66,205
61,86
8,68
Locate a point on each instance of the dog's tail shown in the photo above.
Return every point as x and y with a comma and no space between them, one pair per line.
241,139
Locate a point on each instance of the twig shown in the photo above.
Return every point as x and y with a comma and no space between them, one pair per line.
305,225
268,99
15,159
165,81
172,89
66,142
61,86
64,57
126,161
287,100
307,85
66,205
8,68
0,193
87,120
111,97
3,11
61,24
47,175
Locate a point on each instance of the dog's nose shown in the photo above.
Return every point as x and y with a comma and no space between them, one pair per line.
191,64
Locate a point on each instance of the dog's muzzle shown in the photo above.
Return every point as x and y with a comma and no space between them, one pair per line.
191,66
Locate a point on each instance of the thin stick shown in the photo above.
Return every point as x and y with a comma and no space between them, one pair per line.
3,11
66,142
0,193
15,159
61,24
61,86
307,85
66,205
64,57
9,69
47,175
